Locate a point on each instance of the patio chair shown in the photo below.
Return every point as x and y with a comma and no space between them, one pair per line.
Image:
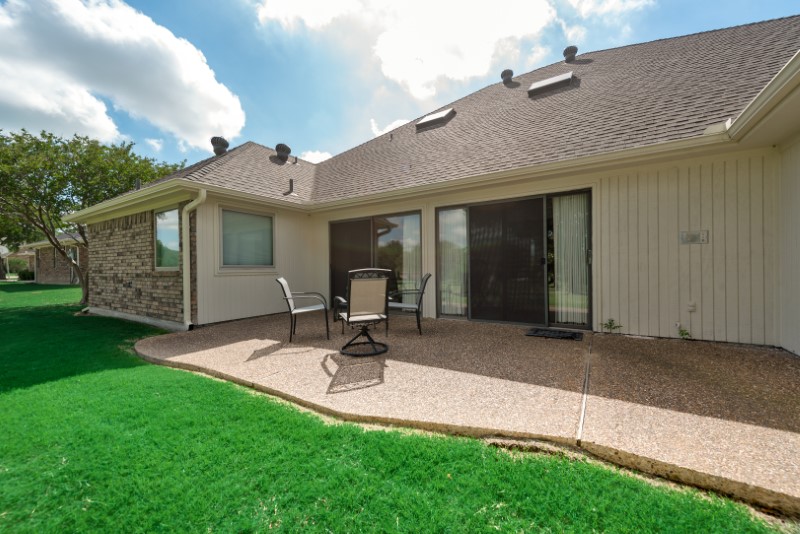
396,300
339,304
367,305
294,310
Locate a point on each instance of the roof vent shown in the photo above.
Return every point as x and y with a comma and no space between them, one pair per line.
220,145
440,117
550,83
283,151
569,53
506,75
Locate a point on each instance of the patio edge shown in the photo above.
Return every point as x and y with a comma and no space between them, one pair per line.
748,493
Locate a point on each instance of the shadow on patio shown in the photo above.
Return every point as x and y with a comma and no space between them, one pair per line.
721,416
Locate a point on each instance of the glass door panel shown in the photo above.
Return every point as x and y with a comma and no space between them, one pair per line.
452,262
568,276
351,248
506,261
397,240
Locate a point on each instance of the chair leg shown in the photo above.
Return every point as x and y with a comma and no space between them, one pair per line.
419,324
327,328
291,326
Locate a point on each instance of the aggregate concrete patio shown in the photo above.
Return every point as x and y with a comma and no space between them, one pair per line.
719,416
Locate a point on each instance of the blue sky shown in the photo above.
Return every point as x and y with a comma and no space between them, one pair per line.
320,76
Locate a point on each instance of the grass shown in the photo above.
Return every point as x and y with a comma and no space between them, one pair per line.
95,440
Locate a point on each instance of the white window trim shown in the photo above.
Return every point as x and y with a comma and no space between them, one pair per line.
233,270
155,239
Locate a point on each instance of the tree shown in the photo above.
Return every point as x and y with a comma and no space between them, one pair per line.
45,177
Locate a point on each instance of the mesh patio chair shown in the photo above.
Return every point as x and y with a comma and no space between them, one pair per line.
367,305
339,304
396,300
294,310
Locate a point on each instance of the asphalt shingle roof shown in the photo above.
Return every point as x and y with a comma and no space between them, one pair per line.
620,98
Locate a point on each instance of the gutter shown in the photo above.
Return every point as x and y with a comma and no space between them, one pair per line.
187,256
783,83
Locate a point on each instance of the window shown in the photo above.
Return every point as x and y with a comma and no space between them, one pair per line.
247,239
167,239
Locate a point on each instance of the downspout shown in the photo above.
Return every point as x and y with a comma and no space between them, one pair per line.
187,256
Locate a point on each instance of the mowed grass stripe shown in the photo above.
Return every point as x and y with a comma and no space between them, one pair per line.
93,439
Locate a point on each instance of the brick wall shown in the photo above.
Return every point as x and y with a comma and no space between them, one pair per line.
122,275
52,268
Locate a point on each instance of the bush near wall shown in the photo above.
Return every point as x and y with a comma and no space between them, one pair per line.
25,274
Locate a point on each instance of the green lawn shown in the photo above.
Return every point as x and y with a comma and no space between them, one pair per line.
93,439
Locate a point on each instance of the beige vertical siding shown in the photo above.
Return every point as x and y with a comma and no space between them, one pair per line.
648,279
789,246
230,294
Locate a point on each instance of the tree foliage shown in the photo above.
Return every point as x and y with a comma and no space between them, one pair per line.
43,178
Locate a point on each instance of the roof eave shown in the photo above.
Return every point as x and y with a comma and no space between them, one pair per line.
693,146
165,194
781,85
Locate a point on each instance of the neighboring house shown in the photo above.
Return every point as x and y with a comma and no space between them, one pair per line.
654,184
27,256
50,267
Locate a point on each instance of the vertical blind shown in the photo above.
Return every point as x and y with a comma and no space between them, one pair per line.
452,252
570,244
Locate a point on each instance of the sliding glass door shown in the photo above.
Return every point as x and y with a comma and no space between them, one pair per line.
522,261
388,242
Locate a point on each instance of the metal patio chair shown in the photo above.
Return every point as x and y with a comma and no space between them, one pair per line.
416,306
294,310
367,305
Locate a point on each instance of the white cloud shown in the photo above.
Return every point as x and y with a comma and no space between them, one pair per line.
314,14
419,43
315,156
376,131
155,144
58,58
587,8
535,57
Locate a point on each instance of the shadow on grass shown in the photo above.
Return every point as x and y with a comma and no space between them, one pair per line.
43,344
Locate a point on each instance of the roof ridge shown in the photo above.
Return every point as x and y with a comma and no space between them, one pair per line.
675,37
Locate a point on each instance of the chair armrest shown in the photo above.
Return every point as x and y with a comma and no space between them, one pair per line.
308,295
401,292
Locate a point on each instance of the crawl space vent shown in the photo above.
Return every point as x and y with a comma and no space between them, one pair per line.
550,83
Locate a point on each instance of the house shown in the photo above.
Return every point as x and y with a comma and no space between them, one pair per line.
24,256
655,184
50,267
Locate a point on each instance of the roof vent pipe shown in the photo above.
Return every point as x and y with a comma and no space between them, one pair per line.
291,188
283,151
569,53
506,75
220,145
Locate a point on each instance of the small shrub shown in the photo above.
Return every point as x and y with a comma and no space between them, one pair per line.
610,326
685,334
25,274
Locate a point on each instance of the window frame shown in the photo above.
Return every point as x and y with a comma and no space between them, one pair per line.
155,240
243,269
